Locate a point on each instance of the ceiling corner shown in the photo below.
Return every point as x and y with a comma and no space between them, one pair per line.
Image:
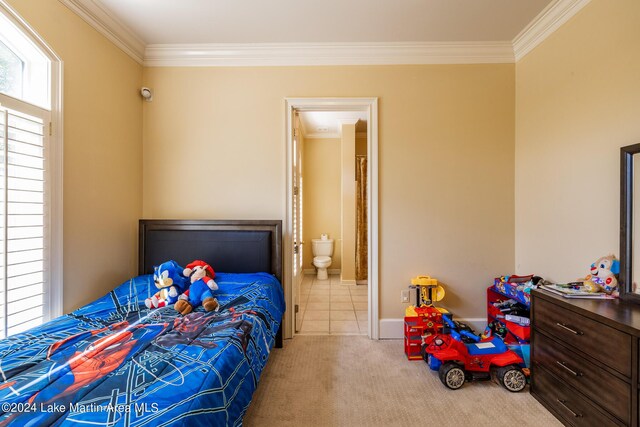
545,24
109,26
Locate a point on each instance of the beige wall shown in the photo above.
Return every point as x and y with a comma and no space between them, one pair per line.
446,153
446,137
577,103
102,151
321,193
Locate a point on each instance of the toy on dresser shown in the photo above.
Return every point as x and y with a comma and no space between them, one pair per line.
603,276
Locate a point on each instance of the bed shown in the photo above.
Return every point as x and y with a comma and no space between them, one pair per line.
114,362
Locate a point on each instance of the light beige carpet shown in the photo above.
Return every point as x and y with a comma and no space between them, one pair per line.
354,381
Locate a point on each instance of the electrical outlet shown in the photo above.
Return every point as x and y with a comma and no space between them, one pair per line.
404,296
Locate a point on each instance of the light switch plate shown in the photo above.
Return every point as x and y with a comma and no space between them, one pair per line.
404,296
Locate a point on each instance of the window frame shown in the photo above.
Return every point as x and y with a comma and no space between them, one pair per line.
54,159
19,56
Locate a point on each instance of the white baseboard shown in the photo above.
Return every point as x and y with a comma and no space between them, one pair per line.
391,329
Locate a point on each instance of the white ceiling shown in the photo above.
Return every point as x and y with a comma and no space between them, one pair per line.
328,124
287,21
160,33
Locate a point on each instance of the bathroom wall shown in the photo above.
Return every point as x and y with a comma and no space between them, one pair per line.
321,173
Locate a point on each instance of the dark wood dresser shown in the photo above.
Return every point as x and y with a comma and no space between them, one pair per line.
584,359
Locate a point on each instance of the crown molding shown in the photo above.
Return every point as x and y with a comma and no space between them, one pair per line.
313,54
292,54
109,26
545,24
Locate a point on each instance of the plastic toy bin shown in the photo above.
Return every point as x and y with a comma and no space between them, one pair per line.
518,333
523,333
412,349
413,330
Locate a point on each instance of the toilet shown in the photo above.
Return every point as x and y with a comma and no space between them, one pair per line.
322,251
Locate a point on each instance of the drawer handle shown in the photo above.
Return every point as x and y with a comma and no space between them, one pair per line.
564,365
563,326
563,403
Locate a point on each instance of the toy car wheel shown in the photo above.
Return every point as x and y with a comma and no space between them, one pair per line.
451,375
512,378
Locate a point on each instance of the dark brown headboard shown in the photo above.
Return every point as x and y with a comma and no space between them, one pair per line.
231,246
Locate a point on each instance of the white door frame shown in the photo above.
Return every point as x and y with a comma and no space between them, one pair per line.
370,105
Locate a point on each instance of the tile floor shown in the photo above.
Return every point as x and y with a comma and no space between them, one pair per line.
328,307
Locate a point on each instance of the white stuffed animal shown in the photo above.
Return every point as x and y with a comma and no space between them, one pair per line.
603,276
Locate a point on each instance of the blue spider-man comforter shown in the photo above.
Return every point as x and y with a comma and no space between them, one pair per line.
114,362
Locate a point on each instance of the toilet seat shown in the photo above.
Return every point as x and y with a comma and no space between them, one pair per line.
322,262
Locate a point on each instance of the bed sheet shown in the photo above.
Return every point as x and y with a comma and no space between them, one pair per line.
114,362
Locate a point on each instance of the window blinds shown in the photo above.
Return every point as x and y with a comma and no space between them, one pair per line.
22,221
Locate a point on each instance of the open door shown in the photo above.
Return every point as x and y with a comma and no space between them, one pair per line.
295,145
297,243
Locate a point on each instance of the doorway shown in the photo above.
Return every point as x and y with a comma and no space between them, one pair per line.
341,283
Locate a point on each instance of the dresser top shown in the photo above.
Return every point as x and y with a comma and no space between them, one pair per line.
616,313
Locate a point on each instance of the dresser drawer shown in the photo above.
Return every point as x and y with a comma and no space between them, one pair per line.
564,401
593,338
584,376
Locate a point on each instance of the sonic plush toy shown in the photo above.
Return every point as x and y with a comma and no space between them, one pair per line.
201,290
168,278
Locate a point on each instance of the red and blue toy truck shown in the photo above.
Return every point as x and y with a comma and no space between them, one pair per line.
460,356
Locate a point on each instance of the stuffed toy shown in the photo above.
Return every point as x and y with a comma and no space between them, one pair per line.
200,291
603,276
169,279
